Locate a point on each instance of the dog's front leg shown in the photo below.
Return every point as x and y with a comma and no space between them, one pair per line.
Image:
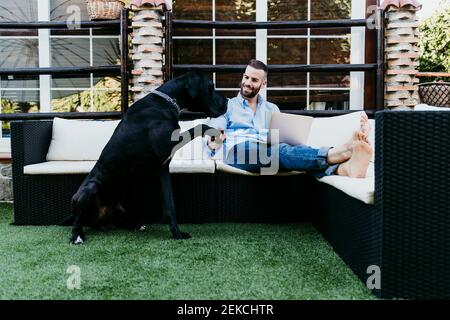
168,204
78,236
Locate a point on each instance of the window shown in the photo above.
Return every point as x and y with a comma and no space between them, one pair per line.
311,90
55,48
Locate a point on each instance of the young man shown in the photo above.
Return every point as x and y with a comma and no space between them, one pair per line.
246,127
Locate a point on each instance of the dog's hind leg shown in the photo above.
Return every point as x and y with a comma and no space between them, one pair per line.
168,204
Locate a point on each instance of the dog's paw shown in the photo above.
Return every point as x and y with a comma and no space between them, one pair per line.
182,235
77,240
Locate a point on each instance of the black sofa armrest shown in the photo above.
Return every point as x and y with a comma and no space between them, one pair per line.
412,188
30,141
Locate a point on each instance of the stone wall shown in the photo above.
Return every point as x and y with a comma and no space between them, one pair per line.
401,54
148,47
6,194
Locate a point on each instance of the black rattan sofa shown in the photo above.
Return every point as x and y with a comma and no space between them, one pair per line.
406,233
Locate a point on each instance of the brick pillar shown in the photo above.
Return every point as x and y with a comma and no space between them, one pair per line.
148,46
401,53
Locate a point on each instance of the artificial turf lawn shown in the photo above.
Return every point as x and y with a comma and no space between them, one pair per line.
221,261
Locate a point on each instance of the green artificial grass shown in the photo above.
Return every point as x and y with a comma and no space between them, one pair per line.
221,261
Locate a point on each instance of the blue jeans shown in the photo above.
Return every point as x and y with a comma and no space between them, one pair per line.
252,156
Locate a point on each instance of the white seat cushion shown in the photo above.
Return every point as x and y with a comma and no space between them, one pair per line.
84,167
361,189
59,167
192,166
223,167
79,140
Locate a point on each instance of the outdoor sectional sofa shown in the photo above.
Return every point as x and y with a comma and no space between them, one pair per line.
399,226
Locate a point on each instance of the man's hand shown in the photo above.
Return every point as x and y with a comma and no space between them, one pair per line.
214,143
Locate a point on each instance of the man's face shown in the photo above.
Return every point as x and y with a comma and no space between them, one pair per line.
252,81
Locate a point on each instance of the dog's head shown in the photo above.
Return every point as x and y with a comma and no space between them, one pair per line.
203,96
91,209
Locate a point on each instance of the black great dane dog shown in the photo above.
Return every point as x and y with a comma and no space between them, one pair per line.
142,144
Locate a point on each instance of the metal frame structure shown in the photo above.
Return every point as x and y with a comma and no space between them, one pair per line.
122,69
377,68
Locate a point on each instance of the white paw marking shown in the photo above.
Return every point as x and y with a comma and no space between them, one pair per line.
78,240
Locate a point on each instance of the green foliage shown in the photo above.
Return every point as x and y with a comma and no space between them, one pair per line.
434,43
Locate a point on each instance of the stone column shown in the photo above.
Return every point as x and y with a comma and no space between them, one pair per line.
401,53
148,46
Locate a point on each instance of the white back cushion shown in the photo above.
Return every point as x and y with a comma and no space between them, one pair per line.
333,131
426,107
79,140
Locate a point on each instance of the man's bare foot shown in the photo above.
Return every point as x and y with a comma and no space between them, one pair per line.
357,165
343,153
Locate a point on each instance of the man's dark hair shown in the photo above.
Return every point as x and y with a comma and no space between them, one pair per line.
258,65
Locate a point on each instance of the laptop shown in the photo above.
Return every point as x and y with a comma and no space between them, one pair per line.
292,129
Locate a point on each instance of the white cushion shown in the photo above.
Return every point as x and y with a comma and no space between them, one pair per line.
426,107
192,166
333,131
77,140
84,167
361,189
59,167
223,167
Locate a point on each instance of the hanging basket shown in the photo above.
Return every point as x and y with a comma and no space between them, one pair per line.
104,9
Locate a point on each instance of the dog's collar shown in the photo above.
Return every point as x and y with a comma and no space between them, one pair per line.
168,99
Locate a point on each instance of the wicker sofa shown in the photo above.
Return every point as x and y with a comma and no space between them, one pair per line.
404,232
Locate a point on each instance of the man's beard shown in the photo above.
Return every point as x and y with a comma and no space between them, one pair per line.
252,93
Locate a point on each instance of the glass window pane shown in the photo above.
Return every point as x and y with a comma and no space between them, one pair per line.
192,51
19,101
105,52
74,81
11,11
70,52
106,100
19,81
330,10
329,100
330,80
287,79
19,53
288,99
234,51
244,10
228,80
287,51
112,83
330,51
287,11
70,100
192,10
